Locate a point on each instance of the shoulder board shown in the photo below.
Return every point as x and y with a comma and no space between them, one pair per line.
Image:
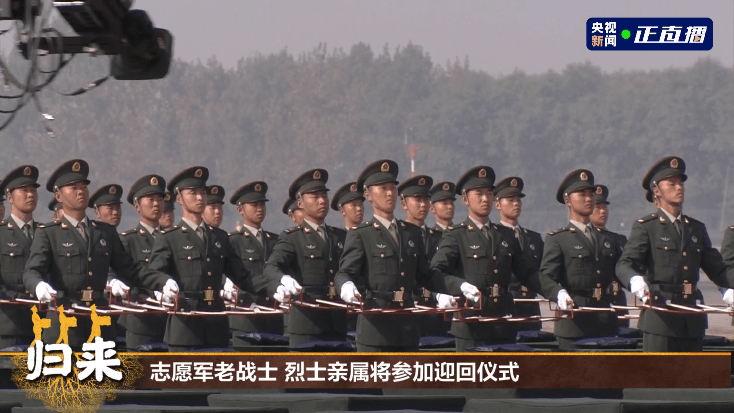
292,229
407,224
49,224
559,230
731,227
365,224
231,234
129,232
269,234
530,231
173,228
647,218
495,226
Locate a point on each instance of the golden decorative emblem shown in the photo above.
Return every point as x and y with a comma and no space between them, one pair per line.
27,171
385,167
258,187
76,167
317,175
215,190
199,173
599,190
421,181
353,188
513,182
674,163
446,187
113,190
584,176
167,198
154,181
482,173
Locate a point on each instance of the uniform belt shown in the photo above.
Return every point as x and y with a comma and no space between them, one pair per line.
18,288
83,295
596,293
206,295
395,296
318,291
494,291
685,288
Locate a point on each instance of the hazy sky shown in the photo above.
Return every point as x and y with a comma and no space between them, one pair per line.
498,36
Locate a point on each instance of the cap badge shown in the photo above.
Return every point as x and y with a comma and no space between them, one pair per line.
76,167
385,167
113,190
215,190
513,182
199,173
27,171
599,190
317,175
421,181
584,176
258,187
167,197
154,181
353,188
674,163
446,187
482,173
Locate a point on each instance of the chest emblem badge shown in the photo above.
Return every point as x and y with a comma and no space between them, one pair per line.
102,242
188,247
68,244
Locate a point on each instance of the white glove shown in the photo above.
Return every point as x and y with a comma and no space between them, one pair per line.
729,296
349,293
158,295
446,301
280,294
564,300
44,292
639,287
291,286
170,291
118,288
229,292
470,291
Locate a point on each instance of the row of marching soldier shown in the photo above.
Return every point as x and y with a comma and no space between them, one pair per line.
381,263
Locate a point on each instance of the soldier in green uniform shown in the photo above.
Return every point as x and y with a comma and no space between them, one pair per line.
55,207
168,217
662,259
443,197
415,200
214,211
578,265
508,202
598,219
69,259
389,257
146,196
107,204
254,246
482,253
349,202
294,213
305,259
196,255
16,235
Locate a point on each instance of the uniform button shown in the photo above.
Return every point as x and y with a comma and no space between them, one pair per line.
597,259
684,253
11,254
207,260
250,258
312,257
598,285
402,273
330,259
189,257
496,271
209,273
665,248
494,257
580,255
495,300
381,255
90,273
331,271
475,256
598,271
401,260
146,260
90,259
685,268
69,255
